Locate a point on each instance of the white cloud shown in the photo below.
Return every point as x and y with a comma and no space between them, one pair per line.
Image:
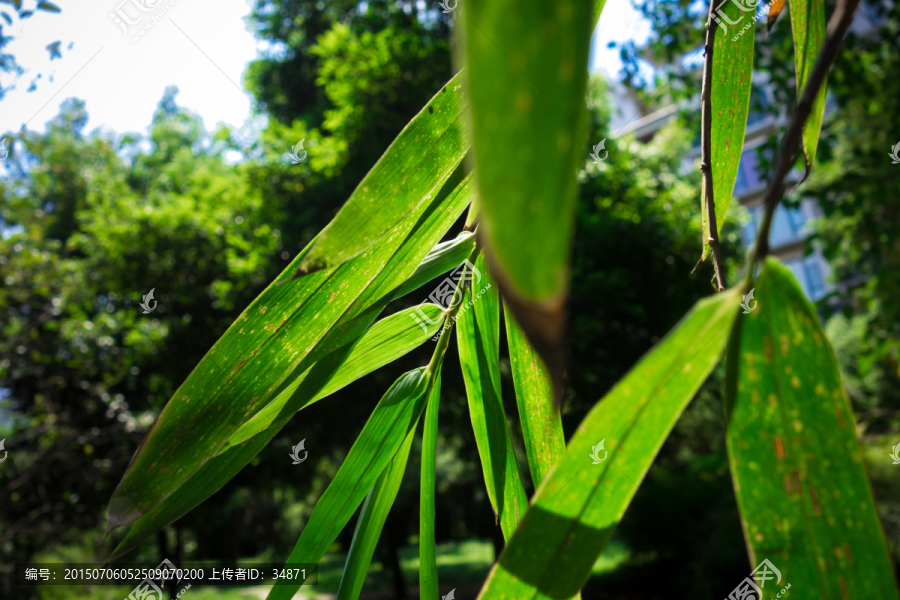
121,80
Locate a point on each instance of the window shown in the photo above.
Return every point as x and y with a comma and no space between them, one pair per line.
787,226
812,268
749,230
748,175
809,274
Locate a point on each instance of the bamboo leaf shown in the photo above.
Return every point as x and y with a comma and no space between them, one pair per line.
408,175
526,70
335,312
373,515
730,99
576,508
541,421
808,25
428,579
383,343
394,418
442,258
799,476
598,10
478,336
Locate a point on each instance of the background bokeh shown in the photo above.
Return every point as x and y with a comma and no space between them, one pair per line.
92,220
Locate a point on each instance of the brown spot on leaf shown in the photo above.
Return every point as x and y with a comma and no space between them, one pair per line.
840,415
240,364
845,593
779,447
430,110
788,484
815,501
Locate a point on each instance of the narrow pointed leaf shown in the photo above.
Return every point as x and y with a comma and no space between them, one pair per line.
373,515
393,419
799,475
526,70
442,258
478,335
541,421
598,10
409,174
575,510
428,580
385,342
387,273
808,25
730,101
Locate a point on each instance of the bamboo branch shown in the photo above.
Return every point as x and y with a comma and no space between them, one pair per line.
706,150
787,155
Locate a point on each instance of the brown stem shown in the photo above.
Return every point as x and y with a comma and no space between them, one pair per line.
706,151
790,144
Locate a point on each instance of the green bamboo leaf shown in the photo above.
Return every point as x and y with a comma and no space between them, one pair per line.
541,421
255,355
575,509
394,418
526,70
598,10
408,175
385,342
428,580
429,228
797,464
478,336
373,515
48,6
442,258
730,100
808,25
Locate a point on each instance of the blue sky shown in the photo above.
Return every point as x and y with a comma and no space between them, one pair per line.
200,46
